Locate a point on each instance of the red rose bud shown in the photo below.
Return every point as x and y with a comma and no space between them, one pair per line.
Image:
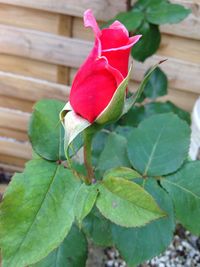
105,68
98,90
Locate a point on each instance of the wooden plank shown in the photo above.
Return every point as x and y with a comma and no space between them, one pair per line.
29,18
72,74
10,147
12,161
14,124
14,134
65,29
105,10
80,32
64,25
31,89
42,46
10,168
28,67
171,46
71,52
14,119
180,48
15,103
102,9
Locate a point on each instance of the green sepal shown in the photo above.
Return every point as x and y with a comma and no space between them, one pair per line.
73,124
114,109
133,99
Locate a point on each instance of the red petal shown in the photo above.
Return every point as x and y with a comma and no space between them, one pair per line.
118,25
118,57
113,38
91,95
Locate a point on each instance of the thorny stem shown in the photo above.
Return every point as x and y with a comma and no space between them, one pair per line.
88,157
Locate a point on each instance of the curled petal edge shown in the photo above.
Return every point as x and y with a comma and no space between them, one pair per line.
133,40
90,21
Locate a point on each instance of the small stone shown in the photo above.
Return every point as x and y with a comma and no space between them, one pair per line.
109,263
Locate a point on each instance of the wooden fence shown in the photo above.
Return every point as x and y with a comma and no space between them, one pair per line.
42,43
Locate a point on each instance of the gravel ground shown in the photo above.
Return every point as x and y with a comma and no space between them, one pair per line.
183,251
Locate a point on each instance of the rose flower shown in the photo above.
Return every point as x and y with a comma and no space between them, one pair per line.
105,68
98,91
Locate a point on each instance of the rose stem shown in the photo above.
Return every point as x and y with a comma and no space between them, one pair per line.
88,157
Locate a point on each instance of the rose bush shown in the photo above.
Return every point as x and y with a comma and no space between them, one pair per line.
134,180
104,69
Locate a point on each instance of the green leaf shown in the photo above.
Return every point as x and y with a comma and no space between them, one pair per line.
133,117
35,155
126,203
148,44
98,228
131,19
156,85
123,172
144,4
84,201
98,144
184,189
138,113
36,213
139,244
159,108
159,145
115,157
165,12
72,252
181,113
114,109
45,130
123,130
